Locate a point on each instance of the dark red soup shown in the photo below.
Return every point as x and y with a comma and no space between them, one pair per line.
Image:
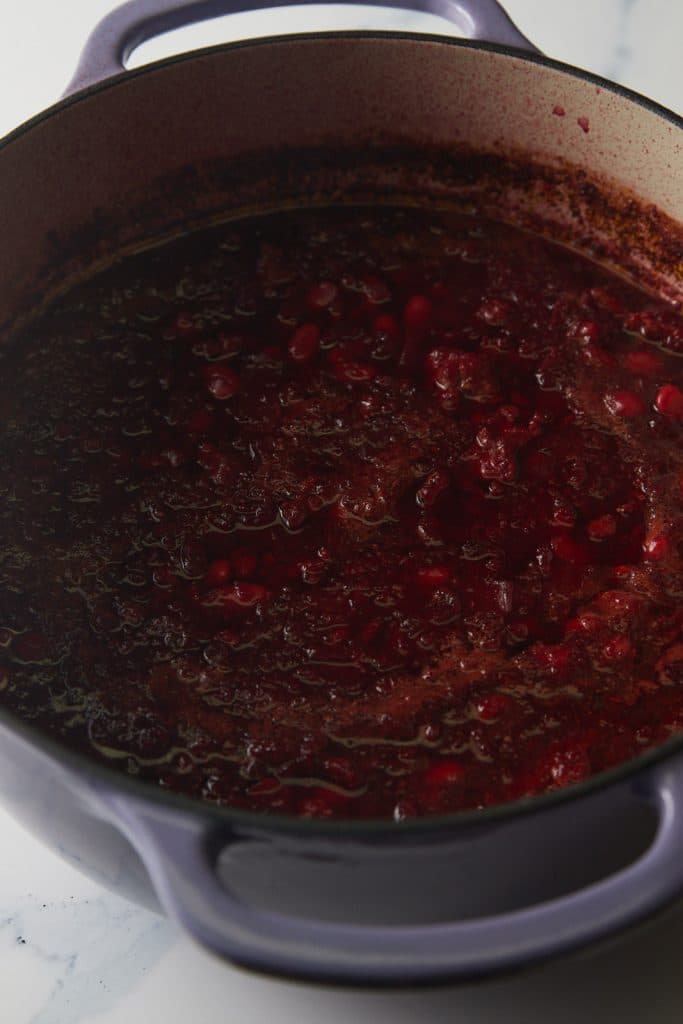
346,512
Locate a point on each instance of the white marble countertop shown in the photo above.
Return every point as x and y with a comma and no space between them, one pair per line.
71,953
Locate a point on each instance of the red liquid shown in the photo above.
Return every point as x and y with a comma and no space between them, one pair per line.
353,513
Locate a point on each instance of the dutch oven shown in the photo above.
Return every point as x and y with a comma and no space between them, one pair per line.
489,122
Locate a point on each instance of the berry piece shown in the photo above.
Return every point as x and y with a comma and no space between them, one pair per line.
322,295
554,657
243,562
656,548
625,403
569,550
417,315
496,312
618,648
642,362
444,772
602,527
218,572
491,706
569,765
304,343
221,381
585,332
429,491
433,576
669,401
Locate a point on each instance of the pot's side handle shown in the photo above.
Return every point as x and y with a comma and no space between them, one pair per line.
125,28
179,856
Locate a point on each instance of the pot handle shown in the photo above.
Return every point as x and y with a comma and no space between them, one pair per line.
180,857
118,34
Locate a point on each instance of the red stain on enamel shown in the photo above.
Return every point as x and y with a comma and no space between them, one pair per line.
558,110
583,124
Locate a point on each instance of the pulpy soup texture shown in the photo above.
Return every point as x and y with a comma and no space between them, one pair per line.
346,512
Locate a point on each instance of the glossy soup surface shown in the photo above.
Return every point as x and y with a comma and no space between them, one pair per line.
347,512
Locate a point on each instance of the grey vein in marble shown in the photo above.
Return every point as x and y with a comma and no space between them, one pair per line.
86,977
623,51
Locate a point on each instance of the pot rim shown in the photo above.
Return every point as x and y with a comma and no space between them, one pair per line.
90,768
652,106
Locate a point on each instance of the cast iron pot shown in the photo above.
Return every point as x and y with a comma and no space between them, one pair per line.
131,156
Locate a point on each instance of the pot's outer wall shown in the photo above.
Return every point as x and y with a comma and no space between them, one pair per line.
110,149
376,880
61,807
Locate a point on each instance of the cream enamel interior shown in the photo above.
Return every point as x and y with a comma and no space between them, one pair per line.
112,149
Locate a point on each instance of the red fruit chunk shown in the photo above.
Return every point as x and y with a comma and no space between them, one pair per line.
554,657
643,362
217,572
322,295
304,343
586,622
416,321
386,334
596,356
435,484
386,324
569,765
602,527
433,576
243,562
621,604
491,706
376,290
585,331
618,648
417,315
495,311
663,327
444,772
625,403
605,300
293,513
669,401
656,548
222,382
442,368
569,549
208,456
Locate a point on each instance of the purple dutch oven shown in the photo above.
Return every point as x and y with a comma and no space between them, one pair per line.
497,127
